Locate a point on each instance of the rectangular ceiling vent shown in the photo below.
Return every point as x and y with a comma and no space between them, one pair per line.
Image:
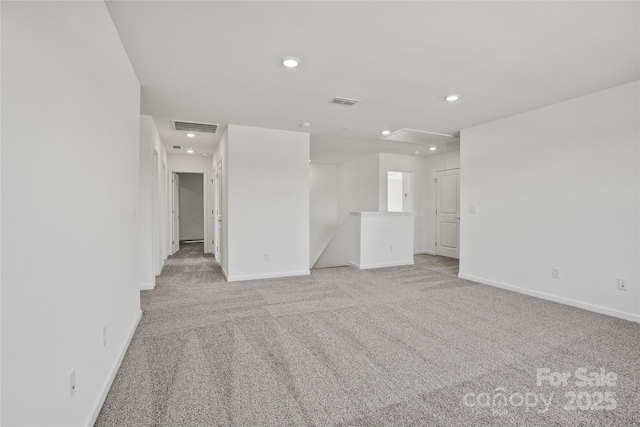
345,101
177,147
195,127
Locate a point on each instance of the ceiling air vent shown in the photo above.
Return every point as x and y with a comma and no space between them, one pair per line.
345,101
177,147
194,127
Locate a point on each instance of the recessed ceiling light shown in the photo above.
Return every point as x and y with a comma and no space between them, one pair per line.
386,132
205,154
452,97
290,62
191,135
416,152
432,148
190,151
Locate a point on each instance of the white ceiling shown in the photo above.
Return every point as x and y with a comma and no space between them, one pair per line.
220,62
202,143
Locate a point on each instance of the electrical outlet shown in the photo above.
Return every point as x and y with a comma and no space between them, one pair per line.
266,257
622,284
104,336
555,272
391,248
473,210
72,383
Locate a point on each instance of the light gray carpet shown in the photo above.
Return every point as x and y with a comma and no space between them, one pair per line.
389,347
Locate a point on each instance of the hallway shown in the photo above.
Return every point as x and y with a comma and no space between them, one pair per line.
394,346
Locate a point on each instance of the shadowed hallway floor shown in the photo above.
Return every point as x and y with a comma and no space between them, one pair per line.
403,346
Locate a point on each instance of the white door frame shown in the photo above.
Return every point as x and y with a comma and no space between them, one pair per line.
217,251
157,217
205,204
166,202
175,212
450,217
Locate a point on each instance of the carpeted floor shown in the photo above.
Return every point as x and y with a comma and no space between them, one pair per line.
403,346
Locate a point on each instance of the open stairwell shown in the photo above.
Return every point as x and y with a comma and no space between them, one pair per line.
370,240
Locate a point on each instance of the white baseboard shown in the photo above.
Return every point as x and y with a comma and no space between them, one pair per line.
424,252
147,286
267,275
97,406
562,300
381,265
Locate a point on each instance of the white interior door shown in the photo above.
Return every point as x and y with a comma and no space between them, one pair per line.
218,216
448,213
175,211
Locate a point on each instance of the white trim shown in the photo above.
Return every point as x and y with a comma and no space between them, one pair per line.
384,264
147,286
97,406
266,275
424,252
562,300
382,213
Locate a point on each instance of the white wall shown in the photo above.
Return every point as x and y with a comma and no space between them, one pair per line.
144,207
191,206
0,214
188,163
268,202
323,207
385,239
557,187
358,186
197,164
69,246
152,209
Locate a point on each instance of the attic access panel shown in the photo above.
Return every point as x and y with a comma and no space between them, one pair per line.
422,137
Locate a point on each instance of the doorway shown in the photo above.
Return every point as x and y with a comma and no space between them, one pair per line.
188,209
399,191
448,213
